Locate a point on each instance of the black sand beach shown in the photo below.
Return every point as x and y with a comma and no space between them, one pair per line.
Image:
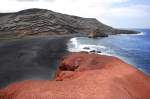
30,58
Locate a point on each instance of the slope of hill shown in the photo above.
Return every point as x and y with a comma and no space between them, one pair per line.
46,22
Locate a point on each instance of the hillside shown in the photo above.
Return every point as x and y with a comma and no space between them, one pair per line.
45,22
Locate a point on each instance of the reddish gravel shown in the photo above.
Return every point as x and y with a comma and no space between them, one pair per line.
85,76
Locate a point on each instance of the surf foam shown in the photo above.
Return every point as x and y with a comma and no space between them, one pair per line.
138,34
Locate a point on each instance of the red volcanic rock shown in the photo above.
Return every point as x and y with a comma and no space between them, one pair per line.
85,76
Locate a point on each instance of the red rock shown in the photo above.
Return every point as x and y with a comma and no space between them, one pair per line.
85,76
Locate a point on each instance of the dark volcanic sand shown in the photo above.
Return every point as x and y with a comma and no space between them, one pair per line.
29,58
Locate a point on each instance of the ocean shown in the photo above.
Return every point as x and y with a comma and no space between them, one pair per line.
131,48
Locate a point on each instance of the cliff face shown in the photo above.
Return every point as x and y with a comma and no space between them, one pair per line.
85,76
46,22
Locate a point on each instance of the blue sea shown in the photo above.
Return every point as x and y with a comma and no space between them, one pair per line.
132,48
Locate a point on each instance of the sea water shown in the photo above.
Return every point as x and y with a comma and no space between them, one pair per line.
132,48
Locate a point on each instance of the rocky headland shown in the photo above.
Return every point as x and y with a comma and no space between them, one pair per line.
33,22
85,76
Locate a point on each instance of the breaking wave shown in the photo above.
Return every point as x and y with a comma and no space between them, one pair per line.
74,45
138,34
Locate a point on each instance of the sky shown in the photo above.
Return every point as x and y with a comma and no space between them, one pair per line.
116,13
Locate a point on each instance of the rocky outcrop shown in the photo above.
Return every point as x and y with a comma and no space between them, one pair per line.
85,76
45,22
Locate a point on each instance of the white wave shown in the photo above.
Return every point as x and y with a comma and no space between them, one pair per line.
103,53
138,34
141,33
75,46
85,47
92,46
74,42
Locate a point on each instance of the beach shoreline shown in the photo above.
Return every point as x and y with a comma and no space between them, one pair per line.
30,58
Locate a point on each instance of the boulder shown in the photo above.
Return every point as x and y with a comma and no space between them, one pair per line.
87,48
93,51
98,51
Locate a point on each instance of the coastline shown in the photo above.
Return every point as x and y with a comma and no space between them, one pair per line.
36,64
120,45
82,75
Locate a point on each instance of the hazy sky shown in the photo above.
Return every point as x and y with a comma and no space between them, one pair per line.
117,13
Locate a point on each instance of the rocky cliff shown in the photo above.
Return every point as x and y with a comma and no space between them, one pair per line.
46,22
